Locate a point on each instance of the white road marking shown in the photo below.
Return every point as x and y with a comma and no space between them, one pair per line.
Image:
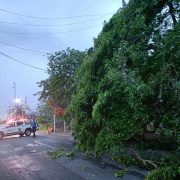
32,145
42,144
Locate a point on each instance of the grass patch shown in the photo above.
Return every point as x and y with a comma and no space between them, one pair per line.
57,153
60,153
70,154
121,173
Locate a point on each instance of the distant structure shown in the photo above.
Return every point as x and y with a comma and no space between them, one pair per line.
20,111
123,3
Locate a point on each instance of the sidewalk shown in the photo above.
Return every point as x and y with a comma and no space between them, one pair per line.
60,134
132,170
106,161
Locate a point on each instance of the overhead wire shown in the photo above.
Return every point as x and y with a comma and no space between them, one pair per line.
48,18
41,52
50,25
31,50
46,33
36,17
75,30
18,61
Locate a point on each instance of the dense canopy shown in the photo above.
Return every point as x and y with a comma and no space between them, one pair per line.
131,78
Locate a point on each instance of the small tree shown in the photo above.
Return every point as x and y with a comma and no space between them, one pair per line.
61,84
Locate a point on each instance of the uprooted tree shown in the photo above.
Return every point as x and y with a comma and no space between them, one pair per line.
131,78
128,79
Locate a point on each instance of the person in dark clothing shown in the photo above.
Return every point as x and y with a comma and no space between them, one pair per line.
34,126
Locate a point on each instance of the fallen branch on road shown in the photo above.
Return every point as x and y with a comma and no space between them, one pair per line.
145,161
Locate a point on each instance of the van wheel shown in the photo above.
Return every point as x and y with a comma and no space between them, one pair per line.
1,135
28,132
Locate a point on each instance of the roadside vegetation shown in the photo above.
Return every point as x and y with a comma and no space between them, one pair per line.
58,153
123,94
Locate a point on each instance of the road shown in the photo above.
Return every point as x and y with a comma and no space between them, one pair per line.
26,158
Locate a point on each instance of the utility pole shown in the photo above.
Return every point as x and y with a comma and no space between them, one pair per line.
54,123
64,126
14,87
25,102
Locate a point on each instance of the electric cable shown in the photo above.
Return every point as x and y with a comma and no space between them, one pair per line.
31,50
48,18
49,25
16,60
46,33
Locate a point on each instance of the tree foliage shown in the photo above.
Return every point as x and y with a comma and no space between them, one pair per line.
45,112
131,77
128,79
61,84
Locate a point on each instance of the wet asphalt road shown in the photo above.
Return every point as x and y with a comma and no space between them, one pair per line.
25,158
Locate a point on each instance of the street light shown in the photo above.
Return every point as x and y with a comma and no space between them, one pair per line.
17,100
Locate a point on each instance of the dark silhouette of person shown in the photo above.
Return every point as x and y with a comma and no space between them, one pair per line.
34,126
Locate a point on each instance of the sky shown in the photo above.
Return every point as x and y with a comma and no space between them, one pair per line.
45,26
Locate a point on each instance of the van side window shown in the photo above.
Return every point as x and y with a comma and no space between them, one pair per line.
19,123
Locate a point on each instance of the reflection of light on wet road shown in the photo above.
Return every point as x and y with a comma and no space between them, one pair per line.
26,158
42,144
3,152
32,145
17,149
11,137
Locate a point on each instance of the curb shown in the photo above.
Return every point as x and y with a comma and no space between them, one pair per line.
132,170
113,164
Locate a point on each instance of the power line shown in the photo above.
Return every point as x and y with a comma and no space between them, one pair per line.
16,60
51,25
46,33
31,50
48,18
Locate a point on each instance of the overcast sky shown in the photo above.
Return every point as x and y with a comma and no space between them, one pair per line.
64,23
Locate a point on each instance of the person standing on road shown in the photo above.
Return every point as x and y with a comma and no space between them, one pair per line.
34,126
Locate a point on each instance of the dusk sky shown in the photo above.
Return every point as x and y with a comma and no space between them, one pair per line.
47,26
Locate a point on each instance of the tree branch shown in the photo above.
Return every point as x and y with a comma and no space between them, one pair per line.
145,161
171,11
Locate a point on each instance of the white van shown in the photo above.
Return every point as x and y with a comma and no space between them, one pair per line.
15,127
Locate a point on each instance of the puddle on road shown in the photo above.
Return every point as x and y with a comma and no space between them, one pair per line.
33,151
32,145
3,152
